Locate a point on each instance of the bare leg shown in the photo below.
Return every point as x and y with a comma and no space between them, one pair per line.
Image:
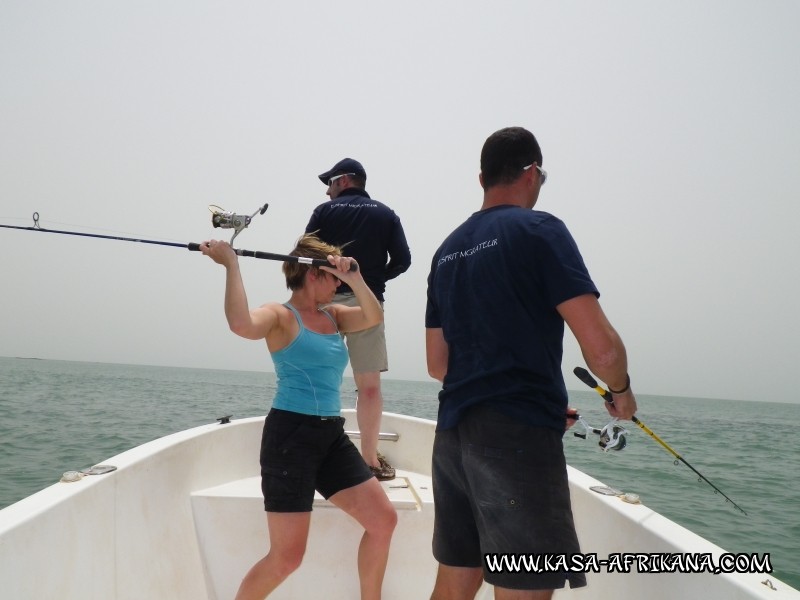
367,503
288,533
369,407
457,583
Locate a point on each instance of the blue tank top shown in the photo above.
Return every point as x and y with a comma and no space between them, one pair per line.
309,371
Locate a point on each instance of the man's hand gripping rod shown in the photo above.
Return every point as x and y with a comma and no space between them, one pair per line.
586,378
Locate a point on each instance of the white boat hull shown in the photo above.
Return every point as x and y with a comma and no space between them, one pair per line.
182,518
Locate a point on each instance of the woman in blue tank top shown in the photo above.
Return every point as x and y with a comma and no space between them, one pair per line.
304,447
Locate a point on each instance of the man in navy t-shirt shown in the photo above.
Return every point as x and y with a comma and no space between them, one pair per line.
500,289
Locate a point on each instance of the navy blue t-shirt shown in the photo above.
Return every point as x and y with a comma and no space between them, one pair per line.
493,289
370,232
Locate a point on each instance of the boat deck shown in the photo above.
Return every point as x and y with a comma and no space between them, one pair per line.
232,534
408,491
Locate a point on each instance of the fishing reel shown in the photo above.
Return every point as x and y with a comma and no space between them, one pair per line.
227,220
612,437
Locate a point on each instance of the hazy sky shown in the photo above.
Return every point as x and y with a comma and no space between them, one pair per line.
670,131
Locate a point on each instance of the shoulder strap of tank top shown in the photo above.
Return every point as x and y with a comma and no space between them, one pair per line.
330,316
300,319
296,315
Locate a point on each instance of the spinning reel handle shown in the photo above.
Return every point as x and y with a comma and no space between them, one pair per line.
228,220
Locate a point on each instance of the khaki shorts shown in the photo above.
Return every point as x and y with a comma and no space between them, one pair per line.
367,348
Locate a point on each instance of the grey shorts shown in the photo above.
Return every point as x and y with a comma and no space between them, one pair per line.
367,348
501,487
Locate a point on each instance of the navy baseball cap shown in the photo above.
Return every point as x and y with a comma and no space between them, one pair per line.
346,165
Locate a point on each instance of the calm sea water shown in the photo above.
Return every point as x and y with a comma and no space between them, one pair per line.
57,416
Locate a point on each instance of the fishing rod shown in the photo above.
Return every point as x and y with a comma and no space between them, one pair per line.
219,218
586,378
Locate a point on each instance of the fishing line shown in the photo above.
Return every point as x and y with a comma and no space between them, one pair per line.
219,218
586,378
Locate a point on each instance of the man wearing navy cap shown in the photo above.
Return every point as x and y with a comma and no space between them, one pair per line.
373,235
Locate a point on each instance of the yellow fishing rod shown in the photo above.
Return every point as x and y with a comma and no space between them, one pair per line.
587,378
